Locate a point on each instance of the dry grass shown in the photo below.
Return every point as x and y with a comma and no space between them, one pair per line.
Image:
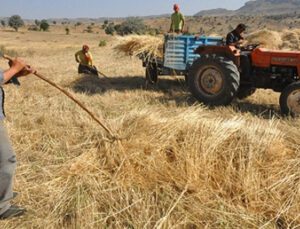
148,47
179,165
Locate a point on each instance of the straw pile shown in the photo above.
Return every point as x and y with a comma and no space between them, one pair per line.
287,39
290,39
267,39
147,47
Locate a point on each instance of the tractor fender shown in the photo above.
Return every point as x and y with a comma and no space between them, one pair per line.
229,52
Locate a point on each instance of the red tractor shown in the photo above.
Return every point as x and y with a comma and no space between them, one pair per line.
225,72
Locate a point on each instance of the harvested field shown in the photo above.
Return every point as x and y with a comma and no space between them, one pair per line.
179,164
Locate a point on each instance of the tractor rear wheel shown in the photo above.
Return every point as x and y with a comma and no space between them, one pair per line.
214,80
151,73
245,91
290,100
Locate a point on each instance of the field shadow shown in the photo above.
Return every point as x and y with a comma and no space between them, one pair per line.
174,92
266,111
99,85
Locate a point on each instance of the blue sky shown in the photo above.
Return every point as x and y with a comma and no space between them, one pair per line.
32,9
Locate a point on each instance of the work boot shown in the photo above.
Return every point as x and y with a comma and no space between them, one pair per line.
13,211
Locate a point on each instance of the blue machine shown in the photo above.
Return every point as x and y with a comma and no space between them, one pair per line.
179,50
178,55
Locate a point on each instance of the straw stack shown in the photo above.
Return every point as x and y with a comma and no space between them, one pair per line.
267,39
146,47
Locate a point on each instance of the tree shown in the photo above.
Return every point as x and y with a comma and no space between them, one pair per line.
89,29
37,22
105,24
44,25
15,22
132,25
54,22
3,23
110,29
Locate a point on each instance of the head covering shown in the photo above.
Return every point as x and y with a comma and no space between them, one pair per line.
176,7
85,47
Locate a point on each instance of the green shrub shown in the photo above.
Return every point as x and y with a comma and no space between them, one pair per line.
131,26
102,43
44,26
89,29
78,24
110,29
33,28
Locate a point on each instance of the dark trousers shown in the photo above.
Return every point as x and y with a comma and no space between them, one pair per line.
86,69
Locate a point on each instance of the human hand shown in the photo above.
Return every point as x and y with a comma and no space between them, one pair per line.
26,71
20,67
17,64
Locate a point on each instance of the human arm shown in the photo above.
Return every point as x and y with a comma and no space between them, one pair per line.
183,22
17,68
77,57
171,30
234,40
89,58
171,27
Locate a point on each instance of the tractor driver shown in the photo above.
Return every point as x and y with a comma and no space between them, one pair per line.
235,38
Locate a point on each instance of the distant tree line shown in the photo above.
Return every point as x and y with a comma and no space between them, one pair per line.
129,26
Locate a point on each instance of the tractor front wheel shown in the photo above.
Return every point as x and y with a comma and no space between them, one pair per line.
290,100
214,80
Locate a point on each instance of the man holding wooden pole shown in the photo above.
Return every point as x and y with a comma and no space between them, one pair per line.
85,60
7,156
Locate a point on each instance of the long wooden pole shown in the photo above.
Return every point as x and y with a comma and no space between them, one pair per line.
101,73
70,96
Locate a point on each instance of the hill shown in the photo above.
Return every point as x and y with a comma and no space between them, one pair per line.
270,7
258,7
215,12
